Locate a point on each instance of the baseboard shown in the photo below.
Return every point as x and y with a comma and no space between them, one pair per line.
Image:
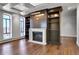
77,43
67,38
9,40
68,35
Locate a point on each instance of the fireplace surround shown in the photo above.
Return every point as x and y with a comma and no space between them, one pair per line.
37,35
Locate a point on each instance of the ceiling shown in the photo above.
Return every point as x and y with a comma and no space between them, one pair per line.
25,8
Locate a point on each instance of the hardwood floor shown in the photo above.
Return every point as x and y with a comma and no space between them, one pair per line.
21,47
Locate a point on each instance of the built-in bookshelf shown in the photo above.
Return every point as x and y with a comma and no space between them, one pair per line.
53,25
27,26
50,18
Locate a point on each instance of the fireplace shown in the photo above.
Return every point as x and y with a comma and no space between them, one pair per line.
37,35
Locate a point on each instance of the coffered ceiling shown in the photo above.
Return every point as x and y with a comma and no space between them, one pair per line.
25,8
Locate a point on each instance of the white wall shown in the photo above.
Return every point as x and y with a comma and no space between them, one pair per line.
78,25
68,22
1,27
15,26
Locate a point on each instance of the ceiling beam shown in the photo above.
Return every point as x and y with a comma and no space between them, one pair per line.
16,9
3,4
13,4
28,5
1,7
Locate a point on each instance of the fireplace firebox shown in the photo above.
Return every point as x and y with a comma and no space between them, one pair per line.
37,35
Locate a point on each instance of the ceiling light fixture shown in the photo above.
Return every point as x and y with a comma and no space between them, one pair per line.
39,15
56,15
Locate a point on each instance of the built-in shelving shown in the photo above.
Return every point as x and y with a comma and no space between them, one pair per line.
27,26
53,25
48,17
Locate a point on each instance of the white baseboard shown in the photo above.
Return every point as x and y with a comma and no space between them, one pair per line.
68,35
8,40
77,43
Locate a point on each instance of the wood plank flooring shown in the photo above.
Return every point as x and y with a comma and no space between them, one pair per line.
22,47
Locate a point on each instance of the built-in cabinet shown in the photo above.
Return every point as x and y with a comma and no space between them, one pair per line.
48,19
53,25
27,26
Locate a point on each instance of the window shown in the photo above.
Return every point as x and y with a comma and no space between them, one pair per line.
22,26
7,26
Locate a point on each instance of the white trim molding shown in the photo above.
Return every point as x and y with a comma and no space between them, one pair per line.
43,30
68,35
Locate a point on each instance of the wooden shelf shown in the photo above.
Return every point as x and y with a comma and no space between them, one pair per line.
28,24
27,34
52,22
52,30
53,18
27,21
27,29
53,12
